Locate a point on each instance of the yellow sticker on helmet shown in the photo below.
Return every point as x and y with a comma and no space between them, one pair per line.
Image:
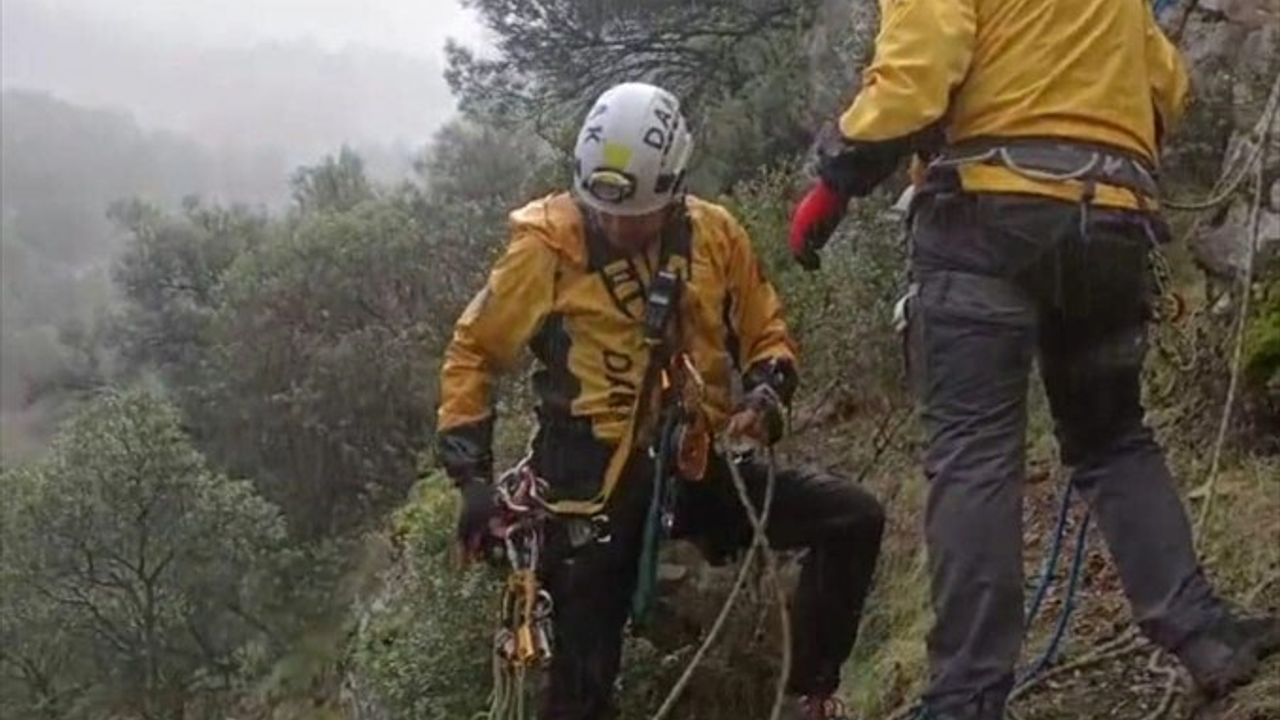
617,155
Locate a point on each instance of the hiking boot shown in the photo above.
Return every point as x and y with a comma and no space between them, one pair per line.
813,707
1226,654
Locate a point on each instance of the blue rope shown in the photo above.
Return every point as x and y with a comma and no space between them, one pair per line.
1050,564
1073,585
1048,569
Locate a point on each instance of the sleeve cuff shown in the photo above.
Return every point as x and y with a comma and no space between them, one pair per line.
466,451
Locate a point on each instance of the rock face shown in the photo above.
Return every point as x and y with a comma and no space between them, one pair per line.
1233,49
839,43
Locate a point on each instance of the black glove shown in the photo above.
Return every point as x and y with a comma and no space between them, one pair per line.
764,400
479,507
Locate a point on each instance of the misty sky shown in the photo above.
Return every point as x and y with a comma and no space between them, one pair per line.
301,75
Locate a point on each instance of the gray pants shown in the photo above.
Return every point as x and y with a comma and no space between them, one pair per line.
1003,281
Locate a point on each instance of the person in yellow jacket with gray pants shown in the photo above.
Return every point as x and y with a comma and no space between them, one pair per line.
620,288
1041,122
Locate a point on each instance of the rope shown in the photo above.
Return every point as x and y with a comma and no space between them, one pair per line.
1218,198
739,582
1224,189
1038,669
1260,135
647,582
507,699
1064,619
1211,483
1050,564
775,578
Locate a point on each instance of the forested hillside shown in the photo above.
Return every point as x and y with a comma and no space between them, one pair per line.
222,500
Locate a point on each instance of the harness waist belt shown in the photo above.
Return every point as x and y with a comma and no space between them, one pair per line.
1056,161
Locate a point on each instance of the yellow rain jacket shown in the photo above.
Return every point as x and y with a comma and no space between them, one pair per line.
1097,71
563,292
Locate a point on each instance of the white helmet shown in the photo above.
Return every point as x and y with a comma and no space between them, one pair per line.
632,151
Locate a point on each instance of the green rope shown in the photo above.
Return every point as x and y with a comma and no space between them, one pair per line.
647,573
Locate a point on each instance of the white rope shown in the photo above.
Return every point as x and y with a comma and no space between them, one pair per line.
1246,282
759,544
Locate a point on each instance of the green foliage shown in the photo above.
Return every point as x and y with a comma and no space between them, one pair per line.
762,124
735,67
335,185
555,52
477,164
304,350
1262,348
63,167
423,649
50,319
171,275
128,568
325,361
473,175
863,267
424,653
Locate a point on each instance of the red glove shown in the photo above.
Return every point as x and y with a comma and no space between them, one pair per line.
815,218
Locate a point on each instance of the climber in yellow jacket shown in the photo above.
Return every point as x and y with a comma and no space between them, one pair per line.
1041,123
620,287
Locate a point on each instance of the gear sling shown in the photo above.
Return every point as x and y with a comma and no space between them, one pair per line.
662,338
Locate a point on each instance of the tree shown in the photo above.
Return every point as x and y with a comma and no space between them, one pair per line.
133,564
42,663
302,350
171,278
335,185
469,162
325,360
473,175
555,56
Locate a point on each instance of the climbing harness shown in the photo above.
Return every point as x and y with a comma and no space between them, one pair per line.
1091,165
523,639
660,317
1056,161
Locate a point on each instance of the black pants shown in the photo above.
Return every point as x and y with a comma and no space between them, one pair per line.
1003,281
837,521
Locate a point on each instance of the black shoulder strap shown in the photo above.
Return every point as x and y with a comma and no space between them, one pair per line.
621,279
662,302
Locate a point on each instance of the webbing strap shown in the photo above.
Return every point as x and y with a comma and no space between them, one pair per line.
1055,161
658,354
